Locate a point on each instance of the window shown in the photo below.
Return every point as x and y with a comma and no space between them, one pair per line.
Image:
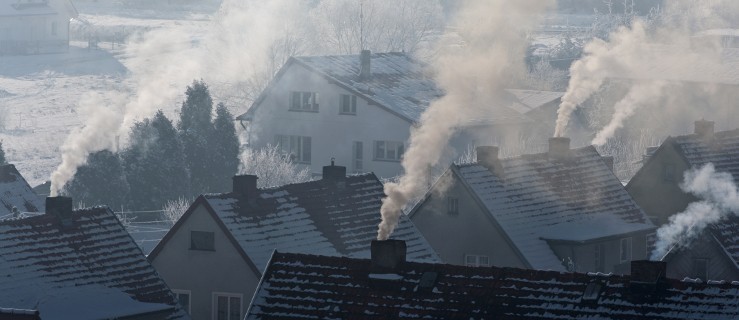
668,172
651,243
358,156
347,104
227,306
183,297
453,205
202,240
54,28
304,101
388,150
625,249
700,269
298,148
472,260
600,257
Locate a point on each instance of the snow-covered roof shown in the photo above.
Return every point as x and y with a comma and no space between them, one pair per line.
15,192
318,217
726,233
529,100
89,262
722,149
18,8
301,286
540,197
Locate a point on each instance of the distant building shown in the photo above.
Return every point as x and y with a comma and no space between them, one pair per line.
360,109
35,26
218,250
559,210
303,286
78,264
17,199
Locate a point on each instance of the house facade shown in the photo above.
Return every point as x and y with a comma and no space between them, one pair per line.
559,210
304,286
360,109
216,253
35,26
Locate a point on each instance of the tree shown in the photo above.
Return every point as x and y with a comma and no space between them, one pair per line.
155,164
2,154
99,182
194,129
272,167
225,150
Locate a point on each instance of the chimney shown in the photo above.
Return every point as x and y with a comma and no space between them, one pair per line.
704,129
334,172
608,161
647,276
60,207
364,65
246,186
559,148
487,156
387,255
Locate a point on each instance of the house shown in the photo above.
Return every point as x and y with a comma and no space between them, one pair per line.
662,172
712,255
217,251
360,109
563,209
303,286
78,264
35,26
16,196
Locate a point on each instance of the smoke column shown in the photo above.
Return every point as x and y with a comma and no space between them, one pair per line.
719,198
471,76
639,95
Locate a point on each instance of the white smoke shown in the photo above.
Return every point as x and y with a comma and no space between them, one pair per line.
719,198
639,95
472,77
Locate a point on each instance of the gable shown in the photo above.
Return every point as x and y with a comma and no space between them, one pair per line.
16,193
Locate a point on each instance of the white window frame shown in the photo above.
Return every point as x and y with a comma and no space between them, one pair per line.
628,254
295,147
352,104
477,260
178,292
214,303
397,147
308,101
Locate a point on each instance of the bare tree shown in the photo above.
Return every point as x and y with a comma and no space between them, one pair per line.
174,209
272,167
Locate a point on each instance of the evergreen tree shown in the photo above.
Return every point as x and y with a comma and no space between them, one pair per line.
194,129
225,150
2,154
154,164
99,182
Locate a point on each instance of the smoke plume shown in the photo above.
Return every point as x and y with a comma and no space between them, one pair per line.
639,95
472,76
719,198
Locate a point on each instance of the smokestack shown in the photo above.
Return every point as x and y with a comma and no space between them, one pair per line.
646,275
364,65
559,148
608,160
387,255
246,186
704,129
334,172
487,156
60,207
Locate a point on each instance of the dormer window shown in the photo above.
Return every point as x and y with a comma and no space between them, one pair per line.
304,101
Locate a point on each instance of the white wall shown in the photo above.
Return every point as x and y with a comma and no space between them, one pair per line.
331,134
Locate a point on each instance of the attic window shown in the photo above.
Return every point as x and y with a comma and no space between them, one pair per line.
472,260
202,240
304,101
592,291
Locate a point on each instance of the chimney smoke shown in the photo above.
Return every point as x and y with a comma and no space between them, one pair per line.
365,71
559,148
704,129
487,156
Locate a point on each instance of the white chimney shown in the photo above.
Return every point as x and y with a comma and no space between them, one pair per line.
364,65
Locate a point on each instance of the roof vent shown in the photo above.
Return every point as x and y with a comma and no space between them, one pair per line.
704,129
592,291
364,65
245,186
334,172
559,148
60,207
487,156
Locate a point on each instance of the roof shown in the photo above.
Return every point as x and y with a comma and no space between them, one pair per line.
301,286
15,192
53,267
543,199
311,217
529,100
722,150
726,233
16,8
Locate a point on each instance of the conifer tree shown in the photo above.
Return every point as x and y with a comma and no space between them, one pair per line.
194,130
2,154
225,150
99,182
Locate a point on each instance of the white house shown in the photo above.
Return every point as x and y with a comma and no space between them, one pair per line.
358,109
35,26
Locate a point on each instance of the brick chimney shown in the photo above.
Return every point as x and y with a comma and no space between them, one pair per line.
60,207
487,156
245,186
387,255
364,65
559,148
704,129
334,172
608,160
